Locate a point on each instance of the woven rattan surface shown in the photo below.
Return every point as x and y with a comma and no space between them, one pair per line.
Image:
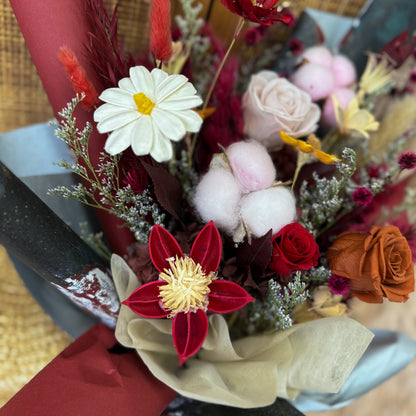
22,98
28,337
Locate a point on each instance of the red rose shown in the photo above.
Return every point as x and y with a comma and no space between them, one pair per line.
260,11
293,249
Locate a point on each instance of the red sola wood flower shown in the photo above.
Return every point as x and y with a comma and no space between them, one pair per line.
187,288
258,11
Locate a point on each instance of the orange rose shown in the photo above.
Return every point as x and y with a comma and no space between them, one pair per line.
378,264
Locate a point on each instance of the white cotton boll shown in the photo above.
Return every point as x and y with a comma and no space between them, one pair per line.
344,71
319,55
217,197
317,80
271,208
252,165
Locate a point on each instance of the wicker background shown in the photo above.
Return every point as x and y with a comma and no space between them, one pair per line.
28,338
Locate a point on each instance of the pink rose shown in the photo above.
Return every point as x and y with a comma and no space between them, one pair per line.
272,104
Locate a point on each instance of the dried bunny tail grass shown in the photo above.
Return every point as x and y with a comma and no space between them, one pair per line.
400,116
160,35
78,77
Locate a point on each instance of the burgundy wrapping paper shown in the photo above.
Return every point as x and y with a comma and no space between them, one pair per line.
46,26
89,379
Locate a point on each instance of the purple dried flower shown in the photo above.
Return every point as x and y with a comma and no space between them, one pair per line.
362,196
407,160
412,76
338,285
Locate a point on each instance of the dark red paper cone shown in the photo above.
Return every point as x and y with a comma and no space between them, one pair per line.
46,26
91,378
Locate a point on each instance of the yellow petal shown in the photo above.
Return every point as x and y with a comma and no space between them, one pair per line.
206,113
288,140
305,147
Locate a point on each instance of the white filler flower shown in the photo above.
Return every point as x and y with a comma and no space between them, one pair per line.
147,111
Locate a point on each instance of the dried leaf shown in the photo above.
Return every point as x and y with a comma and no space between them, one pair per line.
256,255
167,188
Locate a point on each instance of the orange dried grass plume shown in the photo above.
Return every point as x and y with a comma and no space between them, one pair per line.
78,77
160,34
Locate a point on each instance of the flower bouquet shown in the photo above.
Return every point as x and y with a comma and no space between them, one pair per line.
253,207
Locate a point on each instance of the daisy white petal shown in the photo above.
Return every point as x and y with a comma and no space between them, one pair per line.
142,81
169,86
180,103
147,111
191,119
162,149
119,140
125,84
107,111
186,90
117,120
142,136
158,76
118,97
170,125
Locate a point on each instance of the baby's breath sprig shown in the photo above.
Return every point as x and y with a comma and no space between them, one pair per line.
275,312
101,187
323,200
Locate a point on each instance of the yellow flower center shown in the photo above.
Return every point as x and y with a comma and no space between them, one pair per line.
187,288
144,104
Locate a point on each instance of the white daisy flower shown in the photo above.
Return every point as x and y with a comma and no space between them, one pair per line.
147,111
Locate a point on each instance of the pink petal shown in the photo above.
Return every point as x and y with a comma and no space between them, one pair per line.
162,246
189,331
145,301
227,297
207,248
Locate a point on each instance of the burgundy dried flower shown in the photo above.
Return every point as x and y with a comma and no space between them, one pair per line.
362,196
258,11
412,76
338,285
295,46
252,36
132,171
290,16
407,160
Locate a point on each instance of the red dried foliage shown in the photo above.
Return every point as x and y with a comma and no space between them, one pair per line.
106,54
78,77
226,124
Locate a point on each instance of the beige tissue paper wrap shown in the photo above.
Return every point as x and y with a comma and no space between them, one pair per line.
249,372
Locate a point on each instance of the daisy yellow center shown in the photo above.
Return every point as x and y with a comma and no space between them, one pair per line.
187,286
144,104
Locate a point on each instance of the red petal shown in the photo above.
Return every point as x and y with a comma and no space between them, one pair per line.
162,246
189,331
145,301
207,248
227,297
